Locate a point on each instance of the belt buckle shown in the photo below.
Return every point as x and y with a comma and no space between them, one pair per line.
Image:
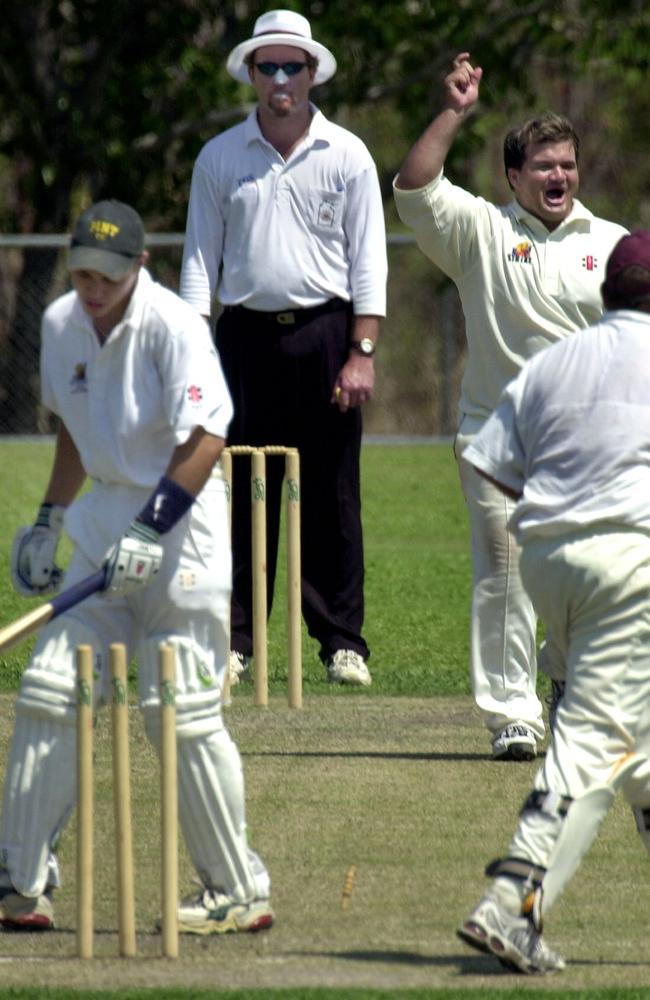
285,318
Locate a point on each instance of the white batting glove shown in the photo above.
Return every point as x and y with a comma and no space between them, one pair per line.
33,553
134,561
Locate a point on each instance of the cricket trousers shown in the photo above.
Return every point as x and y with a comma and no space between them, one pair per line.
281,369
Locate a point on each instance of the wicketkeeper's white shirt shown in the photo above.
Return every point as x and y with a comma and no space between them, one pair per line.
272,234
572,432
522,287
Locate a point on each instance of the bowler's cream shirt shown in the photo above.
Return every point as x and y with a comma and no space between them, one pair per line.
522,287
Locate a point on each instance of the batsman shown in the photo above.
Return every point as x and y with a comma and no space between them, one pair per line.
131,373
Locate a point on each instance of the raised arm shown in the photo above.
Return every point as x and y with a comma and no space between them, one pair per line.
427,156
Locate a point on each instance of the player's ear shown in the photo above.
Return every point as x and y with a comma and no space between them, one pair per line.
512,175
143,258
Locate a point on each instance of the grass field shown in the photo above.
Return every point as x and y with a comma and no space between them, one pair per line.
396,780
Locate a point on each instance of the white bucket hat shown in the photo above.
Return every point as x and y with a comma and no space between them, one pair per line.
281,27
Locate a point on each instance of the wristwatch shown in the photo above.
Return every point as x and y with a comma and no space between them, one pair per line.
366,346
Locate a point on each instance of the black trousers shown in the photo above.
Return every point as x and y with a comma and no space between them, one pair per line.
281,376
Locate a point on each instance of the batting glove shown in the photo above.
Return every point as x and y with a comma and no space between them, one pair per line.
134,561
33,553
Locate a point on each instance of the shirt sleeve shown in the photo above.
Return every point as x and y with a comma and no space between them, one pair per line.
445,219
195,393
365,231
497,449
204,235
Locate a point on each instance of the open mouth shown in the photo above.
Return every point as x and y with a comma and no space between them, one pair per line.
555,195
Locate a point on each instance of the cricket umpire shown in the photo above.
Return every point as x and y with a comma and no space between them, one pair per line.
285,227
528,274
570,441
132,374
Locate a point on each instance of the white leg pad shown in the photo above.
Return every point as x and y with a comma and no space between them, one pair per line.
212,817
210,777
198,693
40,780
578,832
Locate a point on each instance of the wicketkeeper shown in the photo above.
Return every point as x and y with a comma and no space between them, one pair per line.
571,440
131,373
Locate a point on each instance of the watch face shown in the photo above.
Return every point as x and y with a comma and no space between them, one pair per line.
365,346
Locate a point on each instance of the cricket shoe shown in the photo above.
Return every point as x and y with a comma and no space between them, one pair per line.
515,742
515,941
238,667
211,912
24,913
347,667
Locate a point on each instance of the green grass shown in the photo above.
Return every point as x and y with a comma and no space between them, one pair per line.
396,779
417,570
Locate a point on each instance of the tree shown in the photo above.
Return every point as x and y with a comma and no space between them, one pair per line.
116,99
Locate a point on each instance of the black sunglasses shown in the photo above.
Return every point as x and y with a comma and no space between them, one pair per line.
271,68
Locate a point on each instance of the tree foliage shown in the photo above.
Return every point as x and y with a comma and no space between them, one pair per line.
116,99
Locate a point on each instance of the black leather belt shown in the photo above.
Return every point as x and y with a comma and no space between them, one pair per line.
292,317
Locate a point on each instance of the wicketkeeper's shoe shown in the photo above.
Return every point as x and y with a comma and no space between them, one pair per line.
238,667
210,912
347,667
22,913
515,742
515,941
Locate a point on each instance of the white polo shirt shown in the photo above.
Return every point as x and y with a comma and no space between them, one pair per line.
522,287
129,403
272,234
572,432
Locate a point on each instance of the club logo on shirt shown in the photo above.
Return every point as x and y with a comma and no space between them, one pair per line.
78,381
247,179
326,214
590,263
521,254
195,394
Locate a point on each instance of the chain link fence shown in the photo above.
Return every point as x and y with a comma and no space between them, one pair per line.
419,360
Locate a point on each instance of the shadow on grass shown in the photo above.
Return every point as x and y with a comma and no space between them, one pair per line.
367,754
468,965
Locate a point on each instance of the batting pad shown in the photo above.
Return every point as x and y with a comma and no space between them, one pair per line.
40,782
39,795
198,695
210,778
49,683
212,817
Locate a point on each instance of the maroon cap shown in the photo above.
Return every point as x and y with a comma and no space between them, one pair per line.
627,281
632,249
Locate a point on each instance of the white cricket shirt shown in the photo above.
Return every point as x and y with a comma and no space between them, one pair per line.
129,403
522,287
573,432
272,234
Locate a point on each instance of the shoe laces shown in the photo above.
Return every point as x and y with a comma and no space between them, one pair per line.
346,657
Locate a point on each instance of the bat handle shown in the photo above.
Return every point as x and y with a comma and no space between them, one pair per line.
78,592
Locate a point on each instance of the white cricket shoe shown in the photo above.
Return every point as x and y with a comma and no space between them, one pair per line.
515,742
347,667
515,941
238,666
211,912
23,913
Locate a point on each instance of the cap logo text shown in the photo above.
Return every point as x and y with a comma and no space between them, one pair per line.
101,229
